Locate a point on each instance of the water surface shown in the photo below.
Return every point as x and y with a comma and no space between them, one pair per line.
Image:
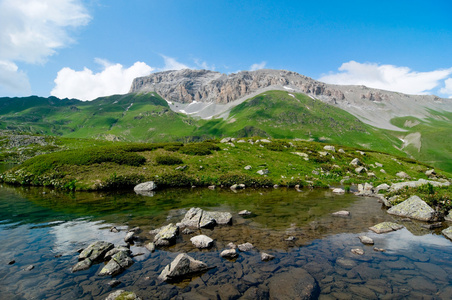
44,228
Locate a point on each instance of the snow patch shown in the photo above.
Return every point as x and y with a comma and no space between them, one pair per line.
289,88
127,109
291,95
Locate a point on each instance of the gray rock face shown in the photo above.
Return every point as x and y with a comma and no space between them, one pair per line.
182,266
117,264
202,241
166,235
415,208
96,251
145,188
294,284
385,227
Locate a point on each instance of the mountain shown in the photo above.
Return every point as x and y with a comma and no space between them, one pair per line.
206,93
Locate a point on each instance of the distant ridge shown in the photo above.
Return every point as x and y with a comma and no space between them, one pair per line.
207,93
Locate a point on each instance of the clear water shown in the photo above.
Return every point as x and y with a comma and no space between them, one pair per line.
44,228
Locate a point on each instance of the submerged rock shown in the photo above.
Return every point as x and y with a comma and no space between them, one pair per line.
385,227
296,283
415,208
202,241
182,266
357,251
122,295
366,240
229,253
166,235
341,213
266,256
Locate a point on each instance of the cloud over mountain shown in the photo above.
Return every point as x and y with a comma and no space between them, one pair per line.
387,77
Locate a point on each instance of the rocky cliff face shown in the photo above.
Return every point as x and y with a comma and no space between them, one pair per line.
221,92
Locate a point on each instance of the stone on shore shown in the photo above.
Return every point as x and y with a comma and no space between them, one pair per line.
447,232
385,227
202,241
415,208
145,188
338,191
182,266
166,235
341,213
130,236
244,213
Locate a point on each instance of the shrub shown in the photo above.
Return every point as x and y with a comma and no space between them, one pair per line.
174,180
168,160
204,148
277,146
117,182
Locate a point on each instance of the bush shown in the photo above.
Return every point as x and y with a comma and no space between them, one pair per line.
118,182
168,160
174,180
277,146
204,148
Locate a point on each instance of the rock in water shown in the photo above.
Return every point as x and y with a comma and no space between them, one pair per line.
130,236
266,256
96,251
122,295
366,240
447,232
341,213
117,264
221,218
245,247
229,253
182,266
294,284
197,218
338,191
150,246
415,208
166,235
385,227
82,265
357,251
202,241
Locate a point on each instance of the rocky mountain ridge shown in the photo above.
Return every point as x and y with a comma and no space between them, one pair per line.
206,94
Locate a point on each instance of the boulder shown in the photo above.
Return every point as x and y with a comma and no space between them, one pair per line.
330,148
150,246
96,251
262,172
447,232
122,295
430,172
202,241
237,186
296,283
229,253
117,264
145,188
182,266
221,218
82,265
448,217
366,240
385,227
365,190
130,236
226,140
166,235
115,250
360,170
197,218
382,187
356,162
415,208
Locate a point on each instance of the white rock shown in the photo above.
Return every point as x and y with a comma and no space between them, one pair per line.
202,241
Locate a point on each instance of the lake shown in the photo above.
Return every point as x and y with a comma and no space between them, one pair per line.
44,227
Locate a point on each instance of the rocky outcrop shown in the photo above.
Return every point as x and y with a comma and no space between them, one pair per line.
414,208
183,265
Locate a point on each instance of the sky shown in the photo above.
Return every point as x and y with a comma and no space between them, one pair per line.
90,48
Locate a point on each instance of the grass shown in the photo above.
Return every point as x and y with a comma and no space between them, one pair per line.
126,164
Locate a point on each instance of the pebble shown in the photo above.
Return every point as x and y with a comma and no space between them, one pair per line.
357,251
29,268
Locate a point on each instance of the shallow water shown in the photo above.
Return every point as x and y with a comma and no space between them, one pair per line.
44,228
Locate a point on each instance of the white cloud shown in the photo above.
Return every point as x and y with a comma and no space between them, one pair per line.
447,89
86,85
203,64
172,64
258,66
13,80
31,31
387,77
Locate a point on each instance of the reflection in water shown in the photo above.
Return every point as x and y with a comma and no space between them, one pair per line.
44,228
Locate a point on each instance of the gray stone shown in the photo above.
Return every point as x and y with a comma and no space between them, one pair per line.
166,235
82,265
420,182
202,241
338,191
237,186
244,213
385,227
403,175
382,187
360,170
197,218
341,213
415,208
248,167
263,172
296,283
448,217
221,218
115,250
150,246
145,188
122,295
229,253
330,148
96,251
226,140
245,247
447,232
130,236
356,162
266,256
117,264
182,266
430,172
366,240
357,251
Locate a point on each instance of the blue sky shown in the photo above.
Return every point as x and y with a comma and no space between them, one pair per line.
90,48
